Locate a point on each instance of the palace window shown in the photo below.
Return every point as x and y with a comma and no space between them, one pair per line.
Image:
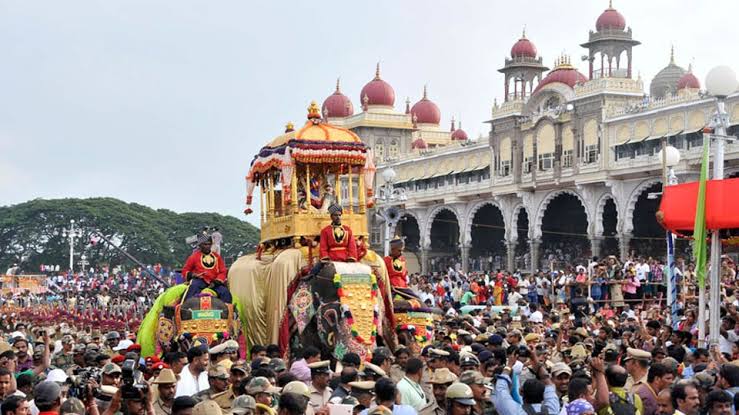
393,150
380,151
505,168
527,164
545,161
567,158
591,153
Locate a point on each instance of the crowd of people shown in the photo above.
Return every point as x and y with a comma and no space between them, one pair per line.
579,340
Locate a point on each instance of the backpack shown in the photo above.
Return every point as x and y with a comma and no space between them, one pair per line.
621,406
531,411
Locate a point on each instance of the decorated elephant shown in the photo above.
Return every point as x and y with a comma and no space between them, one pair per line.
266,283
175,324
415,321
337,310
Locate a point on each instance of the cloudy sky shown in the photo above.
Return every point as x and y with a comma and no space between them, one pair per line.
165,102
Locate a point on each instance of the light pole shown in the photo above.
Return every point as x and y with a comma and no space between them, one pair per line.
670,157
389,195
72,233
720,82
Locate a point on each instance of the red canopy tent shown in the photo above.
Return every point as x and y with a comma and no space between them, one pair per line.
677,209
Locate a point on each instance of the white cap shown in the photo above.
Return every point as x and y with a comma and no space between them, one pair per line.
57,375
123,345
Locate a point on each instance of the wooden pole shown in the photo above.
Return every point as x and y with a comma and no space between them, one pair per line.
337,188
294,189
307,187
271,195
362,193
351,192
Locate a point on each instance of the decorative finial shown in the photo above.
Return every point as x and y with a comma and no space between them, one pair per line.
495,102
425,96
453,128
377,71
289,127
523,33
407,105
690,67
672,55
314,113
610,4
337,84
365,102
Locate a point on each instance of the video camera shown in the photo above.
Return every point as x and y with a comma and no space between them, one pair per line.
132,385
79,381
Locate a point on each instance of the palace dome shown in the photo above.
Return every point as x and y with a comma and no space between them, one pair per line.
419,144
377,92
564,73
337,105
688,81
523,48
459,134
426,111
610,19
665,82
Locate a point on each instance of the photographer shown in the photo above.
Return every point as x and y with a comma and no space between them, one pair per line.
539,395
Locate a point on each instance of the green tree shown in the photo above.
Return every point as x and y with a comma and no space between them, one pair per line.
31,232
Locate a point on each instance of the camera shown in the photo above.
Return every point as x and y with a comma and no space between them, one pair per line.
132,385
79,381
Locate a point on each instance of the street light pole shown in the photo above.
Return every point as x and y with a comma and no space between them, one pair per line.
72,233
718,174
670,157
720,82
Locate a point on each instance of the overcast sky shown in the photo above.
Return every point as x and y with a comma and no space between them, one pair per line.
165,102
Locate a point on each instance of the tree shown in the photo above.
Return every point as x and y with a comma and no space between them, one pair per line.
31,232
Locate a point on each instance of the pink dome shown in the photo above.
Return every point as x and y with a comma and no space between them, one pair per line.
337,105
419,144
523,48
564,73
688,81
425,111
377,91
459,134
610,19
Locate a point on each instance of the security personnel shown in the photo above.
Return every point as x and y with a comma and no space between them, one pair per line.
476,383
219,390
65,358
166,384
459,399
320,392
300,389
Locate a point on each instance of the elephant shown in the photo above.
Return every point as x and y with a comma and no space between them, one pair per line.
264,284
336,311
173,324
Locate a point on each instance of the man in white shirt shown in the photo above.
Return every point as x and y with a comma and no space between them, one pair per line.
536,316
194,376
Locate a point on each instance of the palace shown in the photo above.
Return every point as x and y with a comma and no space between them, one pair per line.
569,166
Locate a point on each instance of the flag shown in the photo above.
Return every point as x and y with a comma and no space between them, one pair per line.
700,246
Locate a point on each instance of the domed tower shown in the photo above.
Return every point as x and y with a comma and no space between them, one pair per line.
610,41
377,93
665,82
337,105
688,82
426,111
458,134
524,67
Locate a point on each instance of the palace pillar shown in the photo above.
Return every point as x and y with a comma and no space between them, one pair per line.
510,256
534,245
595,243
623,244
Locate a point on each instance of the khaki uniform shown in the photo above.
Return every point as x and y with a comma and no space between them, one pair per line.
160,409
225,400
64,360
632,385
432,409
319,399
